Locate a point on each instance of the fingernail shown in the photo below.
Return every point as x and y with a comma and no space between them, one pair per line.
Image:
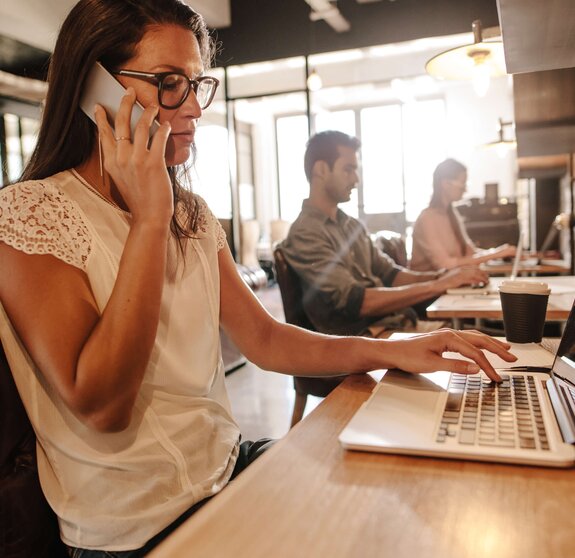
473,368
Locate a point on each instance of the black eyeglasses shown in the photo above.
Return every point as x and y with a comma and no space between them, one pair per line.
174,88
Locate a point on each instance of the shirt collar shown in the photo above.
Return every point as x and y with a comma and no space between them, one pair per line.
309,209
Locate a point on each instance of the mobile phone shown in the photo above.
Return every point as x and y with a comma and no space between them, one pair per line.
104,89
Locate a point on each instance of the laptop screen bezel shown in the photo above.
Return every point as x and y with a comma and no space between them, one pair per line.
561,365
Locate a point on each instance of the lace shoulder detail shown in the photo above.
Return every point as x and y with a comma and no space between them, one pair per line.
208,223
36,217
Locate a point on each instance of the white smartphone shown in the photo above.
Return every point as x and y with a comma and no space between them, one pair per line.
103,88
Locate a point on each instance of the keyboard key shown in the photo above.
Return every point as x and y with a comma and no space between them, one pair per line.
467,437
454,401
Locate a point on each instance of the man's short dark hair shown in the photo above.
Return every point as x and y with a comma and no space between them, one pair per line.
323,147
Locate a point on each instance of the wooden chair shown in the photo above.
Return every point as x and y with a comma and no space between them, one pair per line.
28,526
390,242
292,300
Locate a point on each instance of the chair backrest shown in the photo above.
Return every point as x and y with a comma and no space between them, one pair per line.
28,526
393,244
291,291
292,300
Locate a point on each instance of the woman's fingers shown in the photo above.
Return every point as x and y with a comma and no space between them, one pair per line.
429,349
458,366
142,133
104,129
115,141
106,135
160,139
495,346
463,367
470,348
123,118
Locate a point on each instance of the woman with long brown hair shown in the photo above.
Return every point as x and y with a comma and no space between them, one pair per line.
440,240
114,282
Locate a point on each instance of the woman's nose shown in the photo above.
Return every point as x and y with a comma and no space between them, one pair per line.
192,106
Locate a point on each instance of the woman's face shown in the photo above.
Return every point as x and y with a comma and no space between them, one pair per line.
454,188
165,48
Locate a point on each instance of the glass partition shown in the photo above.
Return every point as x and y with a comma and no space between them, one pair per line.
292,135
382,159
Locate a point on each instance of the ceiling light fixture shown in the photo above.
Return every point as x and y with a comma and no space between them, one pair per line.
314,82
478,62
502,145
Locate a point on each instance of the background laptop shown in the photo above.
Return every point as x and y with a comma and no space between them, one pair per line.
430,415
488,288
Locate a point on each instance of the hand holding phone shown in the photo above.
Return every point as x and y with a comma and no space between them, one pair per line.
140,175
104,89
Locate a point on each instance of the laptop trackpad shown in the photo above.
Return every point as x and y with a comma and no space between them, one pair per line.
403,411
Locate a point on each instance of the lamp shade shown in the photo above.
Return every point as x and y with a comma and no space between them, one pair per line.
477,62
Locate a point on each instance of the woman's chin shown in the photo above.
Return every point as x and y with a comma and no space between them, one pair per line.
177,155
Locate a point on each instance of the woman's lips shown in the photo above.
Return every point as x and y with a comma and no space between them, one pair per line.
183,136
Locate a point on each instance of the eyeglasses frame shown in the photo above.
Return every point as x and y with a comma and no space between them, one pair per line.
158,79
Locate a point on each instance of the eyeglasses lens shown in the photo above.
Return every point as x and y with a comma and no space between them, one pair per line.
175,88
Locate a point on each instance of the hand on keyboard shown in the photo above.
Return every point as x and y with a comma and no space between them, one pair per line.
424,353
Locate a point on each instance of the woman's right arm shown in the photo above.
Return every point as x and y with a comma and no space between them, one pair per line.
96,361
431,241
482,256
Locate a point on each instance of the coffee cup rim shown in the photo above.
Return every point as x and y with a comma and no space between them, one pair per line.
526,287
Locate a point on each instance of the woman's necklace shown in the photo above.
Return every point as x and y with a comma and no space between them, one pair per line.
96,191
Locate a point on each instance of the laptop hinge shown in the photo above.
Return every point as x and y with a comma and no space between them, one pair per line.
564,412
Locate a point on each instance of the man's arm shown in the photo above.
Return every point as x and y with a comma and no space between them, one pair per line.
410,287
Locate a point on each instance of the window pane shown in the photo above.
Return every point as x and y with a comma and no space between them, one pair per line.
381,159
211,180
292,135
342,120
424,148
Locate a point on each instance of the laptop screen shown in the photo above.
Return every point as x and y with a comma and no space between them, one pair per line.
564,364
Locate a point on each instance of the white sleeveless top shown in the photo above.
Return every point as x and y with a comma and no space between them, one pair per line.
114,491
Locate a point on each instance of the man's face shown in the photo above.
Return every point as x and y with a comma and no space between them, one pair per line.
343,178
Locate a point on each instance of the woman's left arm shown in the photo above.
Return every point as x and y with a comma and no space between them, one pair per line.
281,347
273,345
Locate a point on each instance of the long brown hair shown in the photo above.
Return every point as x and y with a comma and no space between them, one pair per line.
107,31
449,169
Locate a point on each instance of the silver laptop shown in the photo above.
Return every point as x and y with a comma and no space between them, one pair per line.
527,419
489,288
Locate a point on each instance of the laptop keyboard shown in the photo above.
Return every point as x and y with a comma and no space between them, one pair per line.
481,412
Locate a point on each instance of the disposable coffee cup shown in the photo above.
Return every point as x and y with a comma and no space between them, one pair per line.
524,305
